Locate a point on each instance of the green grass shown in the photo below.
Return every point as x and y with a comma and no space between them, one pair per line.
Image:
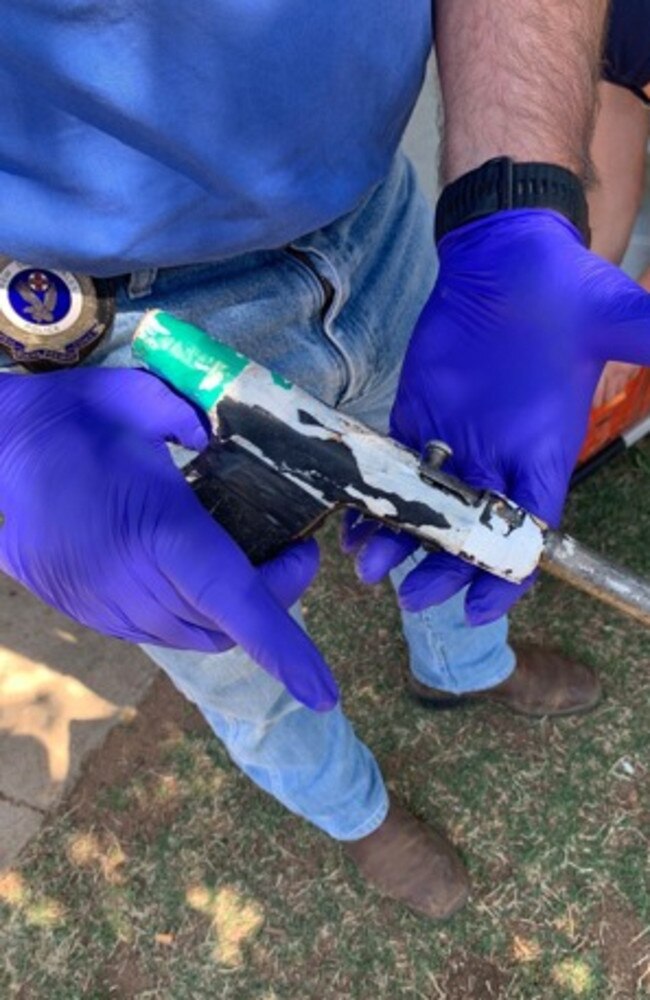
175,878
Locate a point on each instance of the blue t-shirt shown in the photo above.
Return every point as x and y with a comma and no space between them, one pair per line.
139,133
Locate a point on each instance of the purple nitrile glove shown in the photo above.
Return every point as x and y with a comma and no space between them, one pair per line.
502,366
99,523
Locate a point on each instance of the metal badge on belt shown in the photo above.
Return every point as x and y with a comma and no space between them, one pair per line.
51,319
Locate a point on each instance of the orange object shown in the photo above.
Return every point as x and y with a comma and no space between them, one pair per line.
627,408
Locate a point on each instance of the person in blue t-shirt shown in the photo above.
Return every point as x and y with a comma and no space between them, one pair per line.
237,164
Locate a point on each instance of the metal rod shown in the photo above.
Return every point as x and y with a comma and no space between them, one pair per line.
574,563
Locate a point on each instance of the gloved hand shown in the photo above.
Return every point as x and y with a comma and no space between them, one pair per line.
99,523
502,366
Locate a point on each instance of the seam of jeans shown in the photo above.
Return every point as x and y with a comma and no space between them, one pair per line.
332,277
275,781
324,288
498,675
371,824
329,307
272,771
437,653
295,257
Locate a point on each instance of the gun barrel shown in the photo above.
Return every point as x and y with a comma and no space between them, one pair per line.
568,560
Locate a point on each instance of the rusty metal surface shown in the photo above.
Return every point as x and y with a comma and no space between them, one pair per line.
568,560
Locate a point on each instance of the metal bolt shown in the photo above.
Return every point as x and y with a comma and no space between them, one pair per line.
436,454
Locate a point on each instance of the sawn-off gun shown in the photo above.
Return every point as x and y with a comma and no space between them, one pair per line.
280,461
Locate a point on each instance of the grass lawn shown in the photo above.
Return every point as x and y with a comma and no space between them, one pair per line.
168,875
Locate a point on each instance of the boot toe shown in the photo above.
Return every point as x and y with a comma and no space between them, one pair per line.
412,863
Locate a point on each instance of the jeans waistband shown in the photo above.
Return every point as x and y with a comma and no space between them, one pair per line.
339,245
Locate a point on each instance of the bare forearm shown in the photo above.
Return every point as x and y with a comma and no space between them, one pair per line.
518,79
619,156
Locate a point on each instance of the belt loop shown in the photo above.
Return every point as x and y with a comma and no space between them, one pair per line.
141,283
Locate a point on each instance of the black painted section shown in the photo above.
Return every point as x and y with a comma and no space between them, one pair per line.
307,418
258,505
258,508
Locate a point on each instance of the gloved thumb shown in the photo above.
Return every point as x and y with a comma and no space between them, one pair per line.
541,490
288,575
625,333
168,416
382,552
214,576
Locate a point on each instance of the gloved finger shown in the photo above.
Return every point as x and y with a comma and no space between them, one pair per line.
290,573
168,416
475,473
625,333
437,578
382,552
249,614
489,597
181,635
200,641
287,576
541,491
174,606
355,531
153,623
172,617
441,575
213,574
386,549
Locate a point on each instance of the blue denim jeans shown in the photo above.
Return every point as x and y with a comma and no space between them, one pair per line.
333,313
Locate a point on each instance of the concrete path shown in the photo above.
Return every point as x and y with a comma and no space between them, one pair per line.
62,688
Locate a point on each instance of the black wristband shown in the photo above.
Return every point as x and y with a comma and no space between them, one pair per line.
502,184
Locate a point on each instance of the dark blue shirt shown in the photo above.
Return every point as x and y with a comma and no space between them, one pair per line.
627,51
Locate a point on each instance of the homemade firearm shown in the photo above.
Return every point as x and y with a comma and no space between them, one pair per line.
280,461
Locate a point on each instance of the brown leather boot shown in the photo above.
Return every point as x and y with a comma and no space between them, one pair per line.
542,683
411,863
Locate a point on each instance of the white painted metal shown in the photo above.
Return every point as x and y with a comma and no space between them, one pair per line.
489,541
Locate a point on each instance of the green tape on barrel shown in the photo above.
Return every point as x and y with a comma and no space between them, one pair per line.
187,358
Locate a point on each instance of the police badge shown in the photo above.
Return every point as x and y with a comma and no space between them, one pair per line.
51,319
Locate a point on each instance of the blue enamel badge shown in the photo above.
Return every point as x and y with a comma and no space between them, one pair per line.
40,297
51,318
